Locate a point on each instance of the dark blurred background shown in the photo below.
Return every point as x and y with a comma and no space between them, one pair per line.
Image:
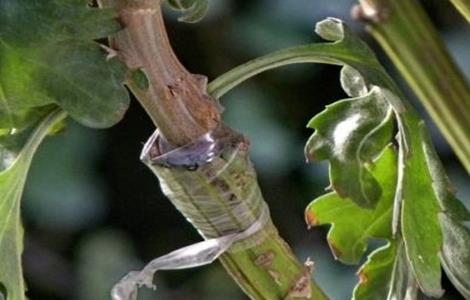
92,211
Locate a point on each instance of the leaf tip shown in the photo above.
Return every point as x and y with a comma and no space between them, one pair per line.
362,277
311,219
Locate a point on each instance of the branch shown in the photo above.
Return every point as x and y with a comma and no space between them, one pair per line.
407,35
182,110
175,99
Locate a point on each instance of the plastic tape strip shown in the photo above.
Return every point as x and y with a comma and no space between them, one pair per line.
213,184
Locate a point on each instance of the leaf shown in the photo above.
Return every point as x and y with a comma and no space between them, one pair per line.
419,212
193,10
386,275
350,134
455,251
417,202
422,192
455,255
12,181
442,187
352,225
52,59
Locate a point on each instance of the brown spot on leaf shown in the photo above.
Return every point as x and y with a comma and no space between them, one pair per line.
311,218
362,277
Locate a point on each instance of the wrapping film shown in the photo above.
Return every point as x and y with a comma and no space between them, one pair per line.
212,182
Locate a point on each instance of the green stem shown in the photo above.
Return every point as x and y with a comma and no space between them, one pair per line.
263,264
324,53
463,6
407,35
314,53
273,283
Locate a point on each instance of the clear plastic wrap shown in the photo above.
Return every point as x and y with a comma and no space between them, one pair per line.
212,182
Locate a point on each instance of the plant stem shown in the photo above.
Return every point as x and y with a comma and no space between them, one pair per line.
175,99
407,35
180,107
463,6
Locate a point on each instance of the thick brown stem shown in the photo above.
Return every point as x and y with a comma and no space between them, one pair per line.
175,99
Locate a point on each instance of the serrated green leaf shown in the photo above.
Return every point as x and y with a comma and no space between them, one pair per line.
415,191
52,59
12,181
386,275
422,190
352,225
193,10
350,134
